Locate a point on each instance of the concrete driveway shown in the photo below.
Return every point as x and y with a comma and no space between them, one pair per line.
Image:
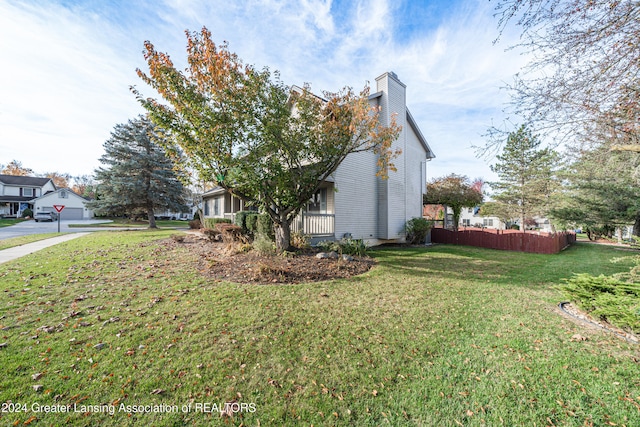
25,228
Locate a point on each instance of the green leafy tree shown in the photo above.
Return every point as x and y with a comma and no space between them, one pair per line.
454,191
527,176
137,176
244,130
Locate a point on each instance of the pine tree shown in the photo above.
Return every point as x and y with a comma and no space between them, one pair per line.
527,175
137,176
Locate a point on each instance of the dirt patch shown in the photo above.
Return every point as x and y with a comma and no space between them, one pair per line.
219,263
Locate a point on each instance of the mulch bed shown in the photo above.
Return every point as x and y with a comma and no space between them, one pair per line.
221,264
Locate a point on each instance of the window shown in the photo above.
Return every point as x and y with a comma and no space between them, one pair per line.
487,222
206,208
63,194
216,206
466,223
318,203
28,192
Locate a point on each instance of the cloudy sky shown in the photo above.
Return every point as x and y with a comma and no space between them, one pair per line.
68,65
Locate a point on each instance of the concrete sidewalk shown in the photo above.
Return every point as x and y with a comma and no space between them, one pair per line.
20,251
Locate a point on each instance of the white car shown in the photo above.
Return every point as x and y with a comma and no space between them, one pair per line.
44,216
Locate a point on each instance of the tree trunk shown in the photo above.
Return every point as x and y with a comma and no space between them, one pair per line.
636,225
152,217
283,236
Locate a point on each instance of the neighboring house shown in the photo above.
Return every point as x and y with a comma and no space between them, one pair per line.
354,201
17,193
470,217
74,204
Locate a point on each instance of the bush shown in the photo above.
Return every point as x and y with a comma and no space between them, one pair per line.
416,230
195,224
231,233
27,213
211,222
300,240
607,298
240,219
264,226
264,245
345,246
251,223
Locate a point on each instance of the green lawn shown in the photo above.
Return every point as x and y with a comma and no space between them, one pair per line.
22,240
443,336
136,224
5,222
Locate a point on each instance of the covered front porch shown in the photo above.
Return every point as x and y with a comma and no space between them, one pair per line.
316,220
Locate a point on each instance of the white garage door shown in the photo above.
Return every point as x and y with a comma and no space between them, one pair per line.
71,213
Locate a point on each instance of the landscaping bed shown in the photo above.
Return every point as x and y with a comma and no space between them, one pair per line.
221,262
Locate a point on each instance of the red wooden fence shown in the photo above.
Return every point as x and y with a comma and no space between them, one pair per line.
510,240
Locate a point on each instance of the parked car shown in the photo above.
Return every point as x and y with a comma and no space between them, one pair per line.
45,216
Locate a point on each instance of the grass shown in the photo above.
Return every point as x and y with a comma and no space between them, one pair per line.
23,240
120,223
442,336
5,222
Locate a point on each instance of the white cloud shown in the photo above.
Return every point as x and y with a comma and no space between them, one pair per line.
71,66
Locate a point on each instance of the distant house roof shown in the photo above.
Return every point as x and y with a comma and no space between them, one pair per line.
30,181
59,190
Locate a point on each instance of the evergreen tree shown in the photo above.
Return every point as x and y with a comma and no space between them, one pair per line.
601,192
137,176
527,176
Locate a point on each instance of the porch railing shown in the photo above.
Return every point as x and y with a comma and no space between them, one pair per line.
314,224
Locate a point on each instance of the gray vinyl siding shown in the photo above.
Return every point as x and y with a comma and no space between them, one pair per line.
391,192
355,202
415,175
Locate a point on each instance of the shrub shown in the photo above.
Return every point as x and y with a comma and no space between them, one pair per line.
251,223
345,246
27,213
416,230
607,298
300,240
231,233
265,226
329,246
264,245
211,222
240,219
353,247
195,224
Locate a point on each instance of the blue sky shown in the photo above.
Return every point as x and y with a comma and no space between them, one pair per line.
68,65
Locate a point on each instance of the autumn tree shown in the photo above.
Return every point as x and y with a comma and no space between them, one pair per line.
526,175
583,73
137,176
15,168
454,191
84,185
60,180
242,129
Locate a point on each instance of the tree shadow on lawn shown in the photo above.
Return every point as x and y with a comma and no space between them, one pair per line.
468,263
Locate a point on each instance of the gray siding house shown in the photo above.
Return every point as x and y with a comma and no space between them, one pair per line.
354,201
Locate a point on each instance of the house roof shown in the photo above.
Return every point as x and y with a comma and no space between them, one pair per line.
414,126
31,181
49,193
14,199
